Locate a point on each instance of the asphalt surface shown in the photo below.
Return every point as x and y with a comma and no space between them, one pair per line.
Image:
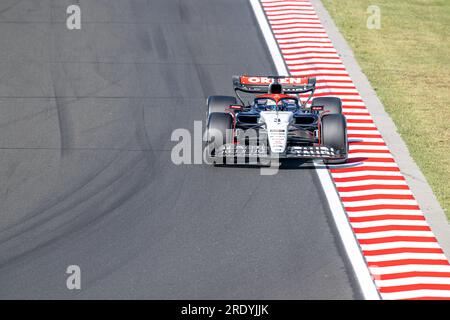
86,176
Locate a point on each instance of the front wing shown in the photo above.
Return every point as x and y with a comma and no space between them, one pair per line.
262,151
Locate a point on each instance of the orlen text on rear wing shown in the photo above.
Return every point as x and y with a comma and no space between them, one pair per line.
260,84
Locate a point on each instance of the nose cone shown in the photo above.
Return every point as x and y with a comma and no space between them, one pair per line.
277,127
277,140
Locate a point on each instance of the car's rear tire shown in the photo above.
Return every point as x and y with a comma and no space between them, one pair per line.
219,133
333,134
331,105
218,104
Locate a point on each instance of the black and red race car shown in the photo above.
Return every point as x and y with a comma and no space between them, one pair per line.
275,123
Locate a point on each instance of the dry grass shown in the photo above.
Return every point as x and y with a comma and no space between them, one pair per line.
408,63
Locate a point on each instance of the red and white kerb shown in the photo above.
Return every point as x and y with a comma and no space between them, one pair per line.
400,249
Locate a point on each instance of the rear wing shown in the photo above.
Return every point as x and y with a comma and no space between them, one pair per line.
260,84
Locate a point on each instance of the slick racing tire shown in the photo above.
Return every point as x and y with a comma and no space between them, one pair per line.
219,133
218,104
331,105
333,134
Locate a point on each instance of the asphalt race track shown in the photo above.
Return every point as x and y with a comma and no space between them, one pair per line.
86,176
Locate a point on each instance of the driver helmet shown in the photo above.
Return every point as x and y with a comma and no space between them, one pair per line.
266,104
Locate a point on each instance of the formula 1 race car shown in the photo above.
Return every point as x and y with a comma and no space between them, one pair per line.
275,123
